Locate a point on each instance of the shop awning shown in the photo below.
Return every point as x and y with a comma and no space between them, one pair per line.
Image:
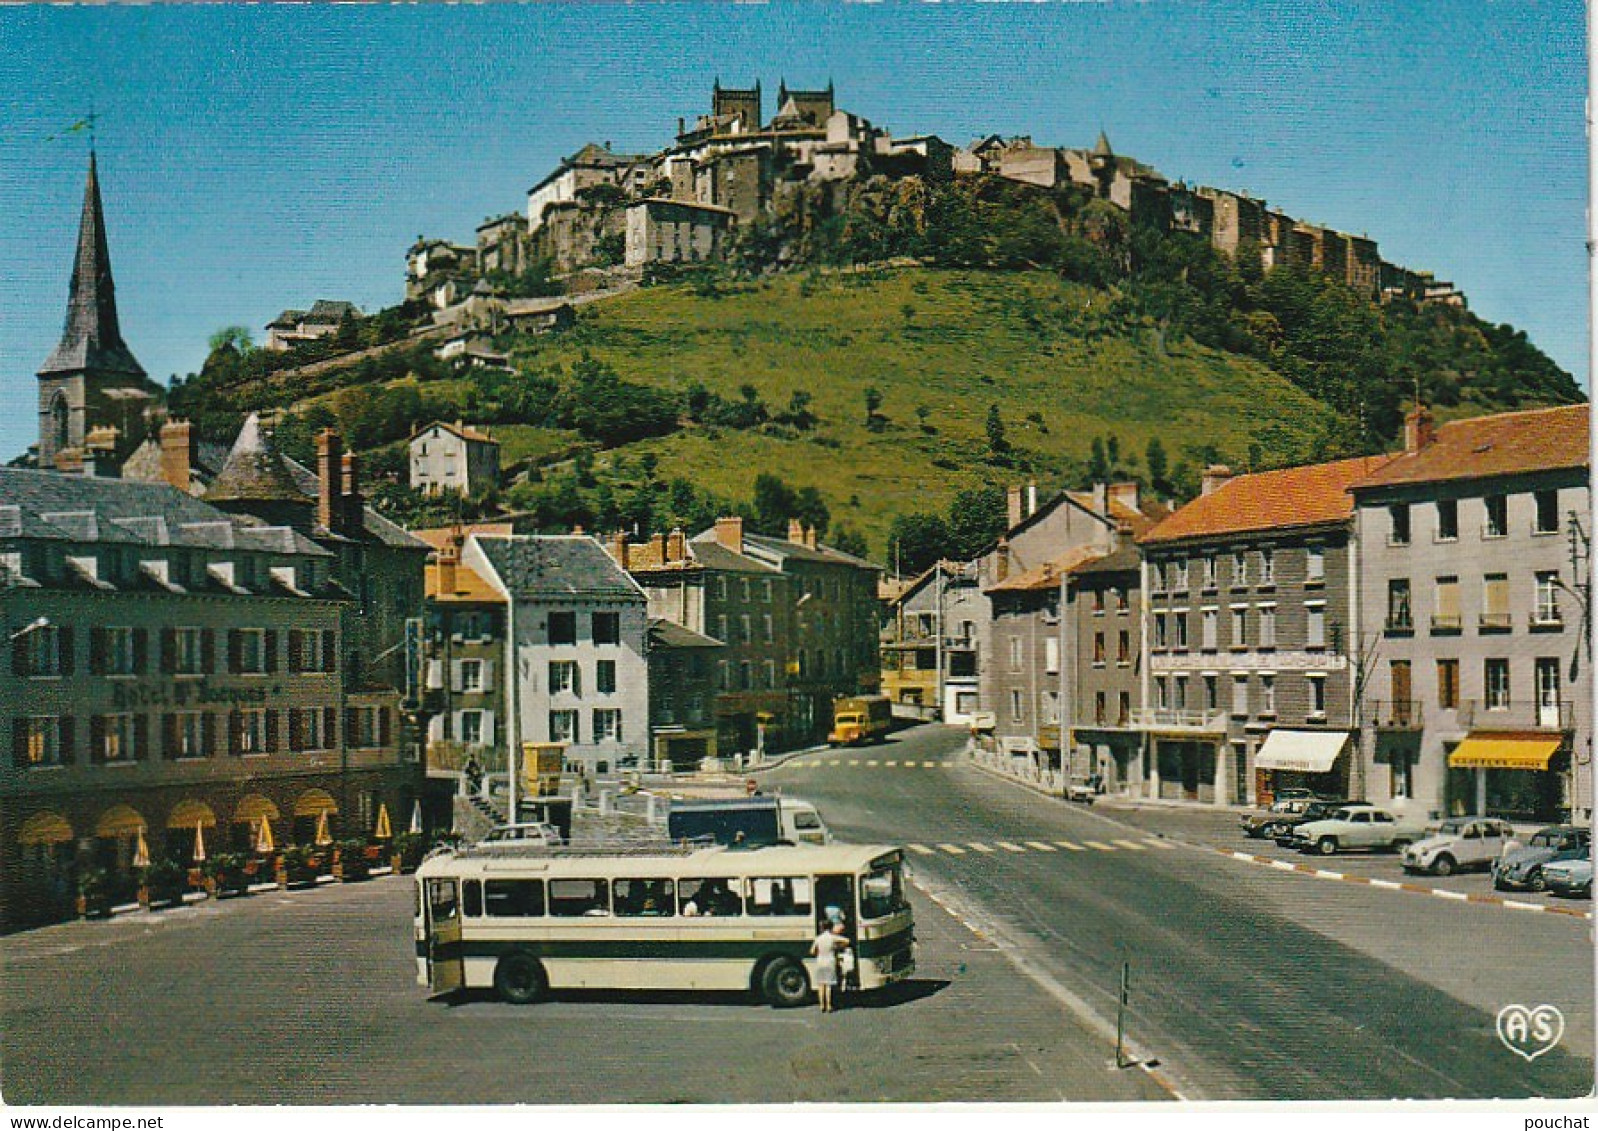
1500,751
313,803
45,828
189,813
120,821
1303,751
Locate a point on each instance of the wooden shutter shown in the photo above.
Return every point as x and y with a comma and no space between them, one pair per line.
271,732
207,651
169,737
19,655
296,729
235,733
271,650
141,738
351,729
19,743
97,650
169,650
384,726
208,731
235,651
329,723
96,739
141,650
329,650
68,734
64,640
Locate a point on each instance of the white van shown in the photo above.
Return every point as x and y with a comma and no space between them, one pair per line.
748,821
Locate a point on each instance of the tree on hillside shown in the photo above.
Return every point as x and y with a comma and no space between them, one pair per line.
235,337
873,397
811,509
977,518
998,444
849,542
774,504
1158,465
917,540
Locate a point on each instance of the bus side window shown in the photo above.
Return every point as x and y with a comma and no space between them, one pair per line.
648,898
515,899
709,897
441,897
778,895
572,898
472,898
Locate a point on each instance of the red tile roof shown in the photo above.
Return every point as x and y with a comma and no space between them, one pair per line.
1544,439
1294,496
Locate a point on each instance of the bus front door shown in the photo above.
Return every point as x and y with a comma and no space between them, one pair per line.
835,901
446,964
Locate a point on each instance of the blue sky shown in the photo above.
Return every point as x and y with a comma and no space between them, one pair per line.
256,158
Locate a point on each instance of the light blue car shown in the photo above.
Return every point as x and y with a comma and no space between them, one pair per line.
1570,877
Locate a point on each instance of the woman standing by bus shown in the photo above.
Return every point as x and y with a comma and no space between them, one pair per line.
829,944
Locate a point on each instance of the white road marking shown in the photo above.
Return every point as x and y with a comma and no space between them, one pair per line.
891,762
978,845
1040,846
1008,847
1159,843
1069,845
871,761
921,849
1519,906
1459,895
1132,844
1326,875
952,849
1387,884
1100,845
1283,865
854,761
925,765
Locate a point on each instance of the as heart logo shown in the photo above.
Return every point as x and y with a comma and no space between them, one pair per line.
1530,1031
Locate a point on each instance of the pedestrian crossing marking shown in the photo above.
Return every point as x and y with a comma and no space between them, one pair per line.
925,765
1165,844
1100,845
1040,846
854,761
1068,845
1132,844
952,849
1008,847
892,762
920,849
978,845
871,761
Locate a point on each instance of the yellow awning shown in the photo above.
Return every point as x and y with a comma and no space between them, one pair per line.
254,807
120,821
313,803
45,828
1504,752
188,813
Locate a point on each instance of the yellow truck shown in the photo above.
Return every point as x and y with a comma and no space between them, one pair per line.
860,719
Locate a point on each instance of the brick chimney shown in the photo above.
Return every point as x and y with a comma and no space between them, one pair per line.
730,534
1127,495
657,549
810,537
1214,475
618,548
449,556
1031,497
353,504
676,545
1014,501
1101,499
177,453
1001,566
796,532
330,471
1419,428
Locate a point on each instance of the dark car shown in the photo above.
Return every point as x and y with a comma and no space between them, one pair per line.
1522,867
1317,810
1268,822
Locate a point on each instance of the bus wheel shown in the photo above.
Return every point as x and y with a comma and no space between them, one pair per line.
785,983
519,979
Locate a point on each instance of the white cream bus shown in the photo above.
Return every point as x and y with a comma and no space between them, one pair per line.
663,917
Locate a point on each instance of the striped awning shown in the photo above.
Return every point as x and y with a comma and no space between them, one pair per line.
1504,751
119,821
1302,751
187,814
45,828
253,807
313,803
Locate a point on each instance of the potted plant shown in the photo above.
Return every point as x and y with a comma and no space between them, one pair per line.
163,884
352,861
301,865
407,851
94,894
225,874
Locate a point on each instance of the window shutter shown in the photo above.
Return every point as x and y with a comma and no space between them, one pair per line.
141,738
350,728
456,682
271,650
97,657
69,748
235,651
96,739
488,675
296,638
141,650
329,650
235,733
271,732
169,737
208,730
384,726
19,743
19,655
488,728
65,641
296,729
207,651
169,650
329,722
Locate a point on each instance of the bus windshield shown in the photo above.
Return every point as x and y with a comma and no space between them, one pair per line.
881,892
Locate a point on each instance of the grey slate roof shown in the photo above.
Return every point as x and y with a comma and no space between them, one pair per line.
380,528
781,548
669,634
534,566
254,470
713,555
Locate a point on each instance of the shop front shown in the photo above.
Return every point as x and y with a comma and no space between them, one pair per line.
1515,775
1302,759
1186,768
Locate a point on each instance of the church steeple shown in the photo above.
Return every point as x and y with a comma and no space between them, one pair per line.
91,338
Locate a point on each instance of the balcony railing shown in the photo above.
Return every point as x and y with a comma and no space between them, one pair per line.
1398,714
1170,718
1447,624
1496,622
1400,624
1516,714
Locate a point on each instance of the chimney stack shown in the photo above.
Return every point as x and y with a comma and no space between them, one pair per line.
618,548
1101,499
1031,497
810,537
657,549
1419,428
676,549
1001,568
330,470
177,453
1214,475
1127,495
353,503
1013,498
449,556
796,532
730,534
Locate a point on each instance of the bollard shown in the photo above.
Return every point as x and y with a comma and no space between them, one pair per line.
604,802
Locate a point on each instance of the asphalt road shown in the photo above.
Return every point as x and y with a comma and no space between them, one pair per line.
310,998
1247,982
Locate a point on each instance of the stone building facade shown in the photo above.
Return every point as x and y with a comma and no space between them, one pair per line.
453,458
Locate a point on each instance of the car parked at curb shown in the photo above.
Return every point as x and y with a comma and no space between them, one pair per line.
1356,827
1457,844
1318,809
1522,868
1570,877
1265,824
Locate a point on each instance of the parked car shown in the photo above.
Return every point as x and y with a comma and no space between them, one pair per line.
1570,877
1317,810
1459,842
1268,822
1356,826
505,836
1523,867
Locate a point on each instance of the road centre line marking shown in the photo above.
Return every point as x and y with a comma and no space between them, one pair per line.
920,848
952,849
1008,847
1100,845
1519,905
1073,847
1284,865
1132,844
1040,846
978,845
1157,843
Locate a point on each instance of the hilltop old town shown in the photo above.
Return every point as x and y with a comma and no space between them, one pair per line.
228,668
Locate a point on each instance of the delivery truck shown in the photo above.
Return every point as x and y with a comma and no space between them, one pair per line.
861,719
